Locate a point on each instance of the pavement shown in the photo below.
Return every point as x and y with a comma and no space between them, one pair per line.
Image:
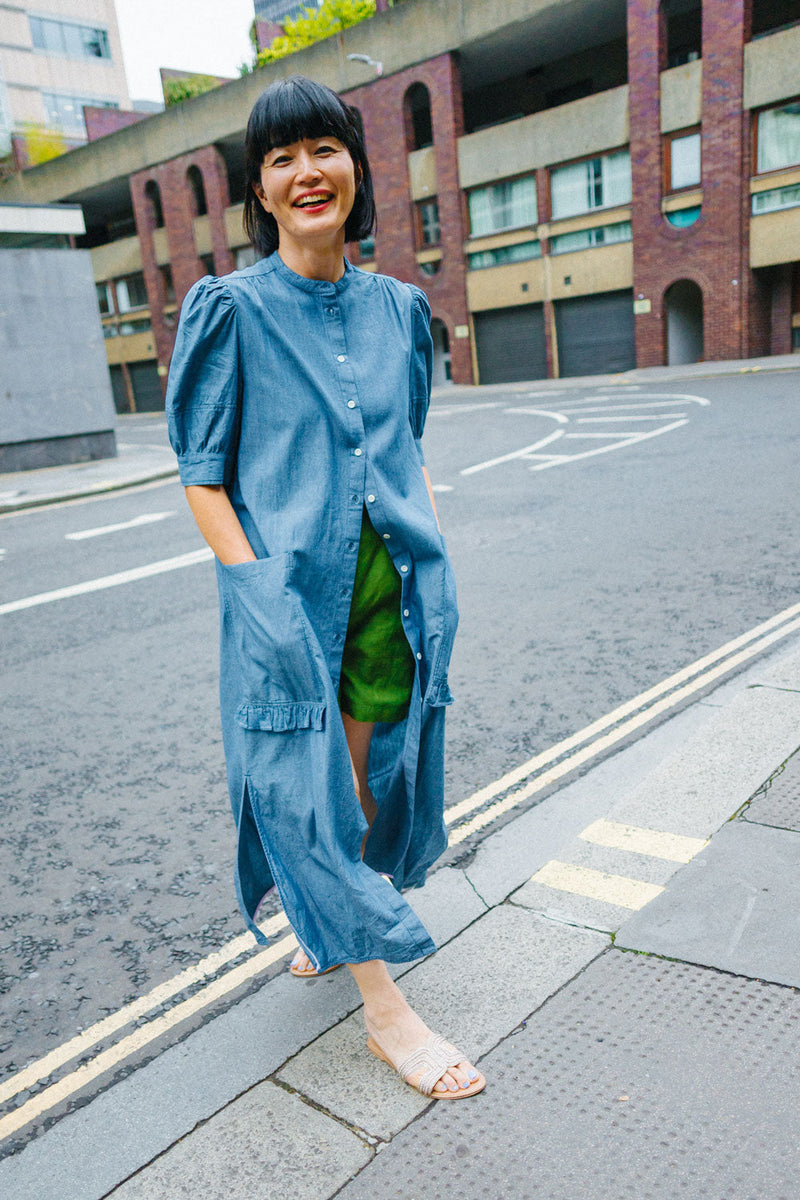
622,960
137,464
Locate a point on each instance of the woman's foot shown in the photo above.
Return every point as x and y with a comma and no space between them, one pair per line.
302,967
397,1031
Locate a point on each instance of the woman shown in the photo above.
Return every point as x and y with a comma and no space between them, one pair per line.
297,396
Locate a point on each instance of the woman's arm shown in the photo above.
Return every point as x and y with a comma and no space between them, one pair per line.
429,486
219,524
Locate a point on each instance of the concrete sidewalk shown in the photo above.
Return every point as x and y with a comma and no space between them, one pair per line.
137,464
623,961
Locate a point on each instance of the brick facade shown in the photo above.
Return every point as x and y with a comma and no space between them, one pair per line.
382,109
713,252
178,208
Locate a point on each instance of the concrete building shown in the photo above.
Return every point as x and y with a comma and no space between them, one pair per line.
578,185
55,395
56,57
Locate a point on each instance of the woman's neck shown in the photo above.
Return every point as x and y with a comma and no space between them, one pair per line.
324,261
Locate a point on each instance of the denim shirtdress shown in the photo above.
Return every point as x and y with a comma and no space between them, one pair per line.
307,400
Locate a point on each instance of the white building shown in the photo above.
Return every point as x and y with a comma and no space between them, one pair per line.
55,57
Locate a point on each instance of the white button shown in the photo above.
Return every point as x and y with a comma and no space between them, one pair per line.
371,499
351,403
341,358
387,536
404,568
419,656
357,452
405,612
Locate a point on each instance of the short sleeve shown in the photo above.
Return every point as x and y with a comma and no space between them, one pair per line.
203,393
421,364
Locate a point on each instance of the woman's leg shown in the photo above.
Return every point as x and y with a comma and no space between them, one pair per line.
359,737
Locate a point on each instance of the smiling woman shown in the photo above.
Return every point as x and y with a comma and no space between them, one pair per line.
297,398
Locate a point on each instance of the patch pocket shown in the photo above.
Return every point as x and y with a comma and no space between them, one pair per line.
281,684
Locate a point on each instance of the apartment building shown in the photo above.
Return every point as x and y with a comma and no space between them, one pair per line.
56,57
578,185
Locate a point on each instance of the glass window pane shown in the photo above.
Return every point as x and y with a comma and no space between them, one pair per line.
131,292
779,137
505,205
569,190
616,179
684,161
73,40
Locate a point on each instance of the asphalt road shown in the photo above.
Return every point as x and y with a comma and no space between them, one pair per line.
588,570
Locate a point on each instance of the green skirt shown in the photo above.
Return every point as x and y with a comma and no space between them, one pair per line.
377,662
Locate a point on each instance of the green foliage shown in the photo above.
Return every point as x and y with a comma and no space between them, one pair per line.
315,24
176,90
42,144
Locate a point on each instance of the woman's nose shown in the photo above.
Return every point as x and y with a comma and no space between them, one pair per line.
307,166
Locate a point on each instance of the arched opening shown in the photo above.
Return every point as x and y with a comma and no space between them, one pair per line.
683,306
198,192
441,352
417,114
153,196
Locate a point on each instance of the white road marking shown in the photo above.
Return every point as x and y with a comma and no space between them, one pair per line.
448,410
776,627
526,450
109,581
629,417
144,519
94,498
441,487
618,433
672,847
631,407
631,441
528,411
597,885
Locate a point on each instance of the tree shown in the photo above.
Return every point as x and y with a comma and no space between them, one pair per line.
315,24
36,144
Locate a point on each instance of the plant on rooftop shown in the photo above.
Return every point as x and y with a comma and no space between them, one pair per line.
176,90
315,24
41,144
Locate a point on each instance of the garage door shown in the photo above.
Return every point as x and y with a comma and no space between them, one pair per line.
510,344
595,334
146,385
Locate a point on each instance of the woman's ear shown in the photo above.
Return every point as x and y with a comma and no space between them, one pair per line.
262,196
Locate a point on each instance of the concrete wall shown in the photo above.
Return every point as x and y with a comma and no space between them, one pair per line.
55,392
587,126
771,68
775,238
681,96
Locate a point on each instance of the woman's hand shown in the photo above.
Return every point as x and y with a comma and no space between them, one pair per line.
219,524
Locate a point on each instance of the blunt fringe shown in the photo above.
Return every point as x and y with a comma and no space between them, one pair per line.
288,111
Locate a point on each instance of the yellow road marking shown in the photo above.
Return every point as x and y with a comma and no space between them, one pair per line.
140,1038
137,1008
674,847
597,885
603,743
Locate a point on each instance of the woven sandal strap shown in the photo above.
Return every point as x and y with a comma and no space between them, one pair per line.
433,1059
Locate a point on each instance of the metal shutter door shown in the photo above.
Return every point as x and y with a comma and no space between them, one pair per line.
595,334
146,386
511,344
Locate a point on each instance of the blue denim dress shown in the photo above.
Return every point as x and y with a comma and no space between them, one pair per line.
307,400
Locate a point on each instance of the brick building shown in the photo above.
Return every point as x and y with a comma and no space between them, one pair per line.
578,185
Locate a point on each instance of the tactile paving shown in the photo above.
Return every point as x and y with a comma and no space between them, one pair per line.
642,1079
779,804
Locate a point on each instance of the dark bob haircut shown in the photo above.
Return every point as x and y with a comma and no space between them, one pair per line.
289,111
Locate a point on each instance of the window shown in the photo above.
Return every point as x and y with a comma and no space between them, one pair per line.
504,254
505,205
152,194
104,298
66,112
131,292
127,328
429,230
248,256
208,263
776,198
594,183
682,161
682,218
417,113
68,38
778,137
583,239
431,268
194,177
367,247
168,285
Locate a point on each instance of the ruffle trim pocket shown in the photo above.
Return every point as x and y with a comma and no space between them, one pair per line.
281,718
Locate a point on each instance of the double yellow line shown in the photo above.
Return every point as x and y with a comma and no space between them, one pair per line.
538,774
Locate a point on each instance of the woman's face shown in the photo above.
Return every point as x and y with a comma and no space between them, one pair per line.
309,188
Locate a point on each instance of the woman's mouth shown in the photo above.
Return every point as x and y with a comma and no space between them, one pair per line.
314,201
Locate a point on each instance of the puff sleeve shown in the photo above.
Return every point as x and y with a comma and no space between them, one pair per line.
421,371
204,390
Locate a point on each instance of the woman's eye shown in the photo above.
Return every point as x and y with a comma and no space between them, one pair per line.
326,149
